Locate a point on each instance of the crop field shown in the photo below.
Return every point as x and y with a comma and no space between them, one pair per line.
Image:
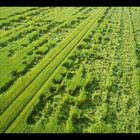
69,69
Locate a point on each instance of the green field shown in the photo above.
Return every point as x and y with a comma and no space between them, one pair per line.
69,69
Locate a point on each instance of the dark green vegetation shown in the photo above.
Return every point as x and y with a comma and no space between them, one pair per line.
70,70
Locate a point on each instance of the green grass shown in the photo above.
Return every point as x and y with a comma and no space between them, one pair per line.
37,83
84,76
